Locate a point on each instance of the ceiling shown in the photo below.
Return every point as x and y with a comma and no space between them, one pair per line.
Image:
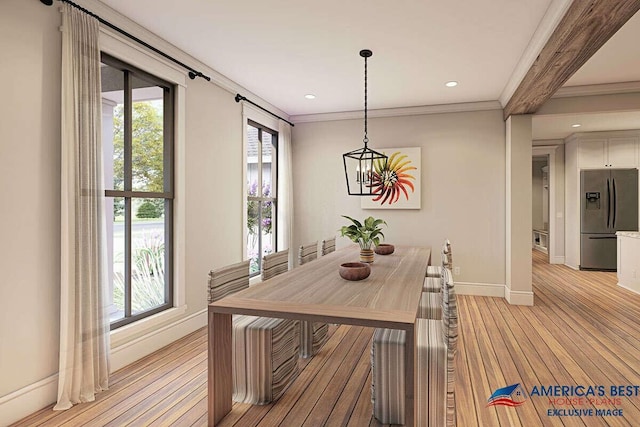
282,50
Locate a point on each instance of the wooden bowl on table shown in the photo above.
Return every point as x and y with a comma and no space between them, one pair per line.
384,249
354,271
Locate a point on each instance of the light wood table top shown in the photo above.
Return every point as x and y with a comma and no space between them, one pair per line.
389,297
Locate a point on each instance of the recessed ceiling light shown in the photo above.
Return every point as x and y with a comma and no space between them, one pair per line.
310,96
451,84
576,125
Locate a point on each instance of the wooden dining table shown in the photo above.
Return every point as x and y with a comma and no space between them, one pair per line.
388,298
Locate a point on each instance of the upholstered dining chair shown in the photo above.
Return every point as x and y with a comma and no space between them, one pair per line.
265,350
435,270
328,246
307,253
434,284
274,264
430,305
436,345
313,335
431,284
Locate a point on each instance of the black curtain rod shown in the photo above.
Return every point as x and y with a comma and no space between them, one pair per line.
192,72
242,98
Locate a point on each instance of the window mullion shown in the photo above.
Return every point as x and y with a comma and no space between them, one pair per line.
128,229
260,253
128,133
167,133
169,182
260,195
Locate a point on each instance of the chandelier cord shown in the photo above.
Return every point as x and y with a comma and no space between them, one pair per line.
366,138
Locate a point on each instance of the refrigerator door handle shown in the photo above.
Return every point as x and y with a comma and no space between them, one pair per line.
615,203
608,203
602,237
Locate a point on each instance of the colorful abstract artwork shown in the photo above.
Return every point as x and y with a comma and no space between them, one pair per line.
395,181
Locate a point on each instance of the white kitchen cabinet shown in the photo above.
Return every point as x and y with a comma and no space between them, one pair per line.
622,152
592,153
615,152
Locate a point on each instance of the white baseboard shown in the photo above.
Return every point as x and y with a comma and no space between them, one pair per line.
32,398
495,290
558,259
573,267
129,352
635,291
27,400
480,289
518,297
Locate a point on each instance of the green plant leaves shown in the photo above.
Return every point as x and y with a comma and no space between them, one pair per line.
364,233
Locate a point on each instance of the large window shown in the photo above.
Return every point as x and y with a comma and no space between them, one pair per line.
261,193
137,129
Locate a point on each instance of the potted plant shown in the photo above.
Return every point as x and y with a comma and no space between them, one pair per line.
365,234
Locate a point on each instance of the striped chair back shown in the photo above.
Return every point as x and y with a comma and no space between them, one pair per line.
449,310
446,250
274,264
450,335
307,253
328,246
446,262
228,280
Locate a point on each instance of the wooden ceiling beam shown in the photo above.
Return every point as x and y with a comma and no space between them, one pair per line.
585,27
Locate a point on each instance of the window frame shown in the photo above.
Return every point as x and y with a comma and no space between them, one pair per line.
274,188
128,194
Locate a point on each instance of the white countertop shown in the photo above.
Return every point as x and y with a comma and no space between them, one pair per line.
633,234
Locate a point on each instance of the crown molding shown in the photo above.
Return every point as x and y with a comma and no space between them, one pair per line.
603,134
554,14
597,89
397,112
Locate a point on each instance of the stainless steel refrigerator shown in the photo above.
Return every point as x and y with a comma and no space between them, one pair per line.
609,204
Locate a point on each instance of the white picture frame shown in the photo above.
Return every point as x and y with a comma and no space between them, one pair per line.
398,180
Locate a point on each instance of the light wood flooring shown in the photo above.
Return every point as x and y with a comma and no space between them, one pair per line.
583,330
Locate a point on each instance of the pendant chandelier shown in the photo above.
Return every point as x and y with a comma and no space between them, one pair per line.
359,165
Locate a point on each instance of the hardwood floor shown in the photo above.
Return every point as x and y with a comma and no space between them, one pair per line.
583,330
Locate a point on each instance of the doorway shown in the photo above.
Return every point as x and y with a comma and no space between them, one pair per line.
540,204
548,201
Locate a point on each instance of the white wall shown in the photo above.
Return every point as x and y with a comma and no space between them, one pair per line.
463,186
560,211
213,185
518,286
211,200
29,193
537,203
572,206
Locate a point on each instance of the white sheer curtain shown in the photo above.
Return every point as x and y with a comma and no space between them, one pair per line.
285,189
84,322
